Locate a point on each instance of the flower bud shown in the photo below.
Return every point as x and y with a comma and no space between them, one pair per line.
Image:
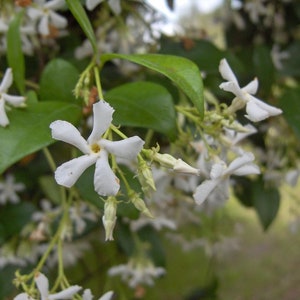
140,204
109,218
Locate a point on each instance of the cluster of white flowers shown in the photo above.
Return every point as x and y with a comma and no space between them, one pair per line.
42,284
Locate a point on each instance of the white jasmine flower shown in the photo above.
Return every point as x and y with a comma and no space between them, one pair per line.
8,190
17,101
42,284
256,109
219,173
44,12
137,272
95,149
87,295
115,5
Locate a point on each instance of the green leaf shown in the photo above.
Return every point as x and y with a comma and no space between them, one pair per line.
29,129
263,67
80,15
183,72
13,217
266,201
143,104
58,80
289,103
14,52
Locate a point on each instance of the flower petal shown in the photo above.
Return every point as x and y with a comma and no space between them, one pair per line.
239,162
66,132
6,81
43,27
251,87
57,20
65,294
102,118
204,189
23,296
107,296
68,173
54,4
105,181
217,170
255,113
247,169
42,284
87,295
3,117
14,100
91,4
128,148
226,72
233,88
272,111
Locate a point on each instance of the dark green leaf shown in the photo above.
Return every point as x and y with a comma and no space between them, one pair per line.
183,72
143,104
289,102
29,129
13,217
58,81
263,67
291,65
14,52
83,20
266,202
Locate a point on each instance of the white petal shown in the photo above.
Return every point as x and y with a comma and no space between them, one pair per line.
226,71
128,148
57,20
255,113
272,111
87,295
3,117
115,6
66,132
42,284
107,296
239,162
43,27
14,100
233,88
55,4
247,169
23,296
91,4
34,13
204,189
68,173
6,81
105,181
217,170
65,294
251,87
102,118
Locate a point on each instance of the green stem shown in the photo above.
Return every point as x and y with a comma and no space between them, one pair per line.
98,84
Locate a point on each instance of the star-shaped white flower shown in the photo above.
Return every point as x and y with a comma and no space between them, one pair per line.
95,149
87,295
219,173
17,101
44,12
9,189
256,109
42,284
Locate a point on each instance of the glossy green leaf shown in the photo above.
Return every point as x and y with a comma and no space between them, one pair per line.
58,81
183,72
29,131
289,103
143,104
14,52
80,15
266,201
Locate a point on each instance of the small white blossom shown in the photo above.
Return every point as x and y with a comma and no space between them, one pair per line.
87,295
95,149
9,189
42,284
137,272
114,5
44,12
219,173
256,109
17,101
